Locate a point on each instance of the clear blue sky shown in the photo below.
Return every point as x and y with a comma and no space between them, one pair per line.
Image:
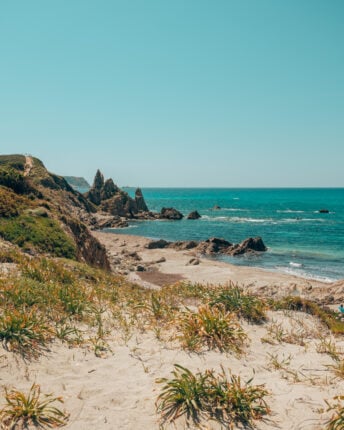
176,92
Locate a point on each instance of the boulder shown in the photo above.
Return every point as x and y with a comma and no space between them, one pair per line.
181,245
324,211
170,213
214,245
157,244
252,244
194,215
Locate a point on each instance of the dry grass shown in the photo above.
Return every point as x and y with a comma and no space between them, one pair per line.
22,410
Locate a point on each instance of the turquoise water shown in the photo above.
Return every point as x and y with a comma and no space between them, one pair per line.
300,240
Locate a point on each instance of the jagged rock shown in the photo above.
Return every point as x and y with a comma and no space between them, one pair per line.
251,244
109,198
324,211
170,213
108,190
214,245
98,182
183,244
194,215
157,244
140,201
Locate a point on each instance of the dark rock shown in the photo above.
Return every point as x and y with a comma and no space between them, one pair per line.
140,201
216,207
108,190
251,244
194,215
170,213
183,244
98,182
160,260
193,262
213,245
140,269
157,244
324,211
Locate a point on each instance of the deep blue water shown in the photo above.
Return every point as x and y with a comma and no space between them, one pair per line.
300,240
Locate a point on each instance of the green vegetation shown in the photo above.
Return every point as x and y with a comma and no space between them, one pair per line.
38,232
14,161
22,410
330,318
208,396
210,327
243,305
337,420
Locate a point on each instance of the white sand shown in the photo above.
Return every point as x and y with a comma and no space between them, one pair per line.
119,390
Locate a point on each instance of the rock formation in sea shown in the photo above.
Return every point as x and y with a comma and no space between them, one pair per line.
194,215
109,198
170,213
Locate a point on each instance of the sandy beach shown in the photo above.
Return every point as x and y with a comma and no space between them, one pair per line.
118,390
126,252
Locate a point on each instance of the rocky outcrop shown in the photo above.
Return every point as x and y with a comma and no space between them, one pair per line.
214,245
170,213
194,215
140,201
109,198
183,245
89,249
252,244
157,244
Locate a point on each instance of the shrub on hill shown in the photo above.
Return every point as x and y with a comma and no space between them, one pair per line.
38,232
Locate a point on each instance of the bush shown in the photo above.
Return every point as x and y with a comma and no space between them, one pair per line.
23,410
210,396
211,327
41,233
243,305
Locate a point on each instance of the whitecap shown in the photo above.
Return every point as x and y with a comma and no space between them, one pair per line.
293,264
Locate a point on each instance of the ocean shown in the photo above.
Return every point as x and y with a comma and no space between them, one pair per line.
300,240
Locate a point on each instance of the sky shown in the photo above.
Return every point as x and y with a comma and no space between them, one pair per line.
178,93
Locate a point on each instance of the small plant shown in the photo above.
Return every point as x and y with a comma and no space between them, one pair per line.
23,410
338,368
328,346
211,327
26,333
337,420
279,363
185,394
275,332
244,305
210,397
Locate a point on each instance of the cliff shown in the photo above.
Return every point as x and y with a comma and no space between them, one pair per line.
42,213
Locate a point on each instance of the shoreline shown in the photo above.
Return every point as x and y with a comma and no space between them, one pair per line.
154,268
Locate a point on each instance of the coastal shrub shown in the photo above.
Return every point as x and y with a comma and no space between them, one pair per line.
24,332
211,396
243,305
41,233
22,410
16,161
210,327
337,420
330,318
13,179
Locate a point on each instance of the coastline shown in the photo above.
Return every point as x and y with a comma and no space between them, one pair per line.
127,252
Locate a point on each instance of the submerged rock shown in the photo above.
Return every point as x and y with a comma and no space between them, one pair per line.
194,215
324,211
